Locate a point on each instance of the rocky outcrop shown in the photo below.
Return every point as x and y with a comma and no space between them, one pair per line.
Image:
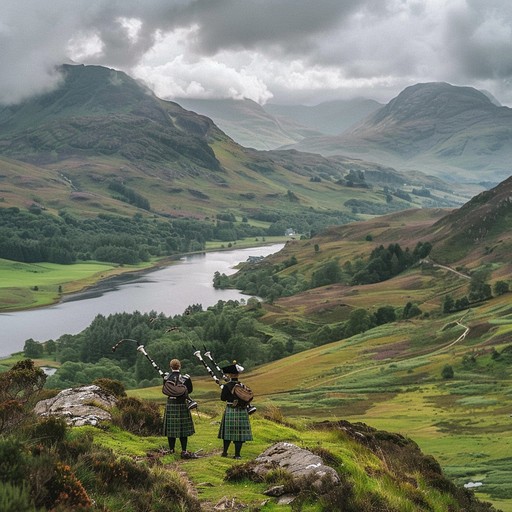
86,405
298,462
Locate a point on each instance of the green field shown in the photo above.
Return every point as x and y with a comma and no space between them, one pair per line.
25,285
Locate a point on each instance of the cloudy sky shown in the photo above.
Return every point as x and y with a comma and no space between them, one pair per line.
280,51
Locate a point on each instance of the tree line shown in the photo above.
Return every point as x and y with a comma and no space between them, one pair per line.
267,281
31,237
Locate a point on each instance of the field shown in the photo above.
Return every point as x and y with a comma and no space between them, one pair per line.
391,378
25,285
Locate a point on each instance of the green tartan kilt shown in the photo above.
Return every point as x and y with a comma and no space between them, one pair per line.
177,420
235,425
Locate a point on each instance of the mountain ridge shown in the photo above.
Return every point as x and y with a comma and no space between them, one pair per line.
434,127
101,125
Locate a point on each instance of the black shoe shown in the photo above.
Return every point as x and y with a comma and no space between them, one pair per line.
188,455
223,454
237,457
171,451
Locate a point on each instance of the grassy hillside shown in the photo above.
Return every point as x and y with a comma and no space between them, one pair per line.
124,464
391,376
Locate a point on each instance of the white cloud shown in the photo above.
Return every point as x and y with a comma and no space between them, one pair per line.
287,50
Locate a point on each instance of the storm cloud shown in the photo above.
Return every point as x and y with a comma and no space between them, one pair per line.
285,51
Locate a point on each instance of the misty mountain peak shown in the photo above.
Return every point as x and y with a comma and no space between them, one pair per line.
433,100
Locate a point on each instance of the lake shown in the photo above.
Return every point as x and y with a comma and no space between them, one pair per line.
167,290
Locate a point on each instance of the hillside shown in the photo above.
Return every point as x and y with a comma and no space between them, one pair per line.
122,463
387,353
248,123
390,374
62,151
271,125
437,128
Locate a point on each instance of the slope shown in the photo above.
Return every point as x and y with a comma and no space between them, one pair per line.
248,123
434,127
329,117
102,126
391,375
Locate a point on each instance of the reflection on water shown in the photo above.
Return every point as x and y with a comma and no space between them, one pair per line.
168,290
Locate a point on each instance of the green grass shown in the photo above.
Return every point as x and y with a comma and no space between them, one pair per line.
25,285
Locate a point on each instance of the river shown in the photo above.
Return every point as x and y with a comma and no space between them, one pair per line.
167,290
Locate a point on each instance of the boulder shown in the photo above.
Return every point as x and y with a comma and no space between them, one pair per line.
86,405
297,461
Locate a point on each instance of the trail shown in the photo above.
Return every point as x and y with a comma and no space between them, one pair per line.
450,269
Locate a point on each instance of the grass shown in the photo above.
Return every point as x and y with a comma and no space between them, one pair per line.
363,469
29,285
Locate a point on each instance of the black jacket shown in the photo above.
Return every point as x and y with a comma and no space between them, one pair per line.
226,393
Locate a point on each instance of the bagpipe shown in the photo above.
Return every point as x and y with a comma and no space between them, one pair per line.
191,404
243,394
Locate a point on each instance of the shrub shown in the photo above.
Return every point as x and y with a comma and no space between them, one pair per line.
138,416
64,489
239,472
15,498
19,389
12,461
112,386
447,372
50,430
170,494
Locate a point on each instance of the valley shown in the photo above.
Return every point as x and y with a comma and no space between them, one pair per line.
389,304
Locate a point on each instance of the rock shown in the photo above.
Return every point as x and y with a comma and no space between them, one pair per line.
296,461
86,405
276,490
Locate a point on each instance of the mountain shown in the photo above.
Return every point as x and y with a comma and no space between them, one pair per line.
64,149
103,112
249,124
456,133
480,230
272,125
329,117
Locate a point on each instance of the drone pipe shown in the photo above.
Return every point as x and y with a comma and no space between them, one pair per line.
142,350
197,353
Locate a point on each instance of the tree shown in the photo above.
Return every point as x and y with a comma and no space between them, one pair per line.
478,287
448,304
411,310
447,372
328,273
32,349
500,288
385,314
359,321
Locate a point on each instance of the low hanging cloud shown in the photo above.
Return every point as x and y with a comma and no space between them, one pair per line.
287,51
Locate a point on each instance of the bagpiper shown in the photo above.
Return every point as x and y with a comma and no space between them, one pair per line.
178,422
235,425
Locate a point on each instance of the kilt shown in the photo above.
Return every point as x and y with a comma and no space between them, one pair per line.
235,425
177,420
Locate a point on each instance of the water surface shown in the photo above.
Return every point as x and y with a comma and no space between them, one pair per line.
167,290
